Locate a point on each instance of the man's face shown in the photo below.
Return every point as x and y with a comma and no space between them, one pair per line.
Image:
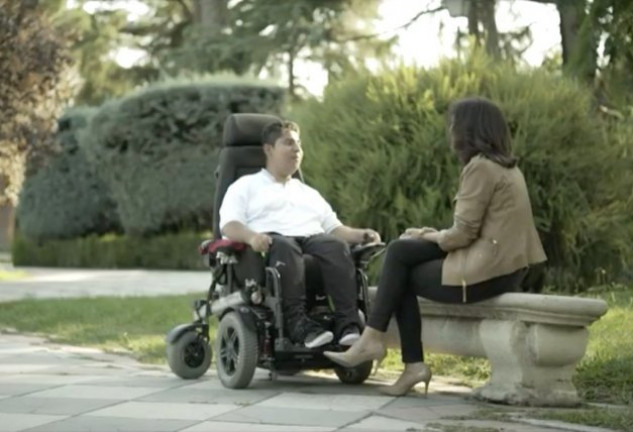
284,157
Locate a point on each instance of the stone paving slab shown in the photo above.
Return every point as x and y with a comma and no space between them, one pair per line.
296,416
18,422
49,406
376,422
105,424
163,382
249,427
17,389
95,392
171,411
199,396
326,402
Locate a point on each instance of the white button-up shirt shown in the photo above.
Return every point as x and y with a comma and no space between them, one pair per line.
263,204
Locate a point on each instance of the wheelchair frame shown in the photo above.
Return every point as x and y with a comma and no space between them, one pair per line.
254,336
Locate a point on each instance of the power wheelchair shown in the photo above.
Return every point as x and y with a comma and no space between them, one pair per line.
251,330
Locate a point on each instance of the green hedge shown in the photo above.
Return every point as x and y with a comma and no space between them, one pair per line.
376,147
169,251
157,149
66,198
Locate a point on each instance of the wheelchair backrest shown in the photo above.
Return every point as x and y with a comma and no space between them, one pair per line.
241,153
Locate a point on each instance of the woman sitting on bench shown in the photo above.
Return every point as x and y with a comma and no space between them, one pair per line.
485,253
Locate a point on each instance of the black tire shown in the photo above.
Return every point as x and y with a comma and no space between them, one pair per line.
236,351
190,356
354,375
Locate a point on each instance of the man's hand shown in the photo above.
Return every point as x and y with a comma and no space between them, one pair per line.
370,236
260,242
417,233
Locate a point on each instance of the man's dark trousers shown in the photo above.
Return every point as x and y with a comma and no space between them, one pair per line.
337,269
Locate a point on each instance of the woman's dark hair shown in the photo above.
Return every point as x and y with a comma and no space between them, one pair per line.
477,126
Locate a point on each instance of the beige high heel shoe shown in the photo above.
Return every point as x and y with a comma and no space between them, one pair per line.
370,346
413,374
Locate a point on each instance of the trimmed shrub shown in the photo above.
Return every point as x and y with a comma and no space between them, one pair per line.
376,147
157,149
176,251
66,198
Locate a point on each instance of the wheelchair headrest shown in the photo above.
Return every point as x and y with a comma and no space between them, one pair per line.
241,130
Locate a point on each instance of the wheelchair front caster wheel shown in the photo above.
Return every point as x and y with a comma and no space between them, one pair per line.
354,375
190,356
237,351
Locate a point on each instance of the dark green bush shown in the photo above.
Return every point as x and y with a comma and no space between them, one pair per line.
169,251
376,147
66,198
156,149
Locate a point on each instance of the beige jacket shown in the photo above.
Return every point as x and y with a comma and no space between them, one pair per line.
493,232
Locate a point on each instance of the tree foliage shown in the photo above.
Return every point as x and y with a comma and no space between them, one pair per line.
66,198
376,147
156,149
252,35
32,64
93,37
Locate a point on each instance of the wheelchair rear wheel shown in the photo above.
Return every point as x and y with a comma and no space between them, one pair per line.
190,356
236,350
354,375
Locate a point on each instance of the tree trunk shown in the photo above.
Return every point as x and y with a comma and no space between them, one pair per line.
579,43
212,14
483,12
570,22
473,21
6,226
487,17
292,88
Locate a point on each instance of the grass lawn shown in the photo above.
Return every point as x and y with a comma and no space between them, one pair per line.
615,418
137,326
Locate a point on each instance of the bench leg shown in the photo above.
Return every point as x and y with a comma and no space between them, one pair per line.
532,364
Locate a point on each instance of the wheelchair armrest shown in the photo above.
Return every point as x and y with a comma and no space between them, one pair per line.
363,253
212,247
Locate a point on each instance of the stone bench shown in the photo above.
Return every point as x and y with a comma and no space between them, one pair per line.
533,342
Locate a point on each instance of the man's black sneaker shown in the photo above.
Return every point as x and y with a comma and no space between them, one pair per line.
312,333
349,335
318,338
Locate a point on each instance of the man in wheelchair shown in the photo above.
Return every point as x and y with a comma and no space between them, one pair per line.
282,218
287,276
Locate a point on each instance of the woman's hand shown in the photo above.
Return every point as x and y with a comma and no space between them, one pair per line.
417,233
432,236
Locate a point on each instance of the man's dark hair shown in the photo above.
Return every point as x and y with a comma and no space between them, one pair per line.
477,126
272,131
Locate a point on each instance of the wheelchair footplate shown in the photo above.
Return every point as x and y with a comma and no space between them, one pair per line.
288,356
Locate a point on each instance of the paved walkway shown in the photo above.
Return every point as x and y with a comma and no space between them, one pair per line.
54,388
61,283
48,387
